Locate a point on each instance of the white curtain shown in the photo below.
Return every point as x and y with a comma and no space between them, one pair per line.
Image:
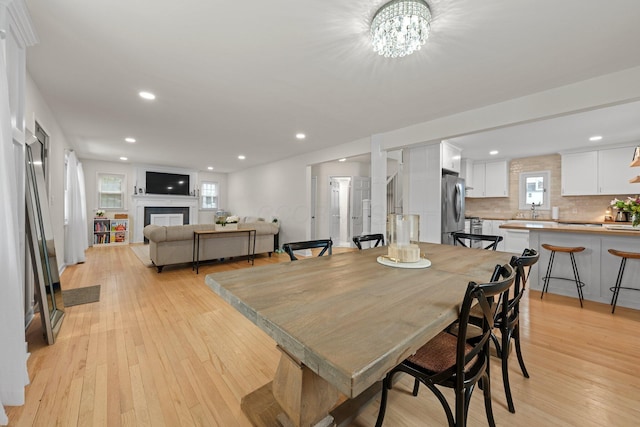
13,356
76,239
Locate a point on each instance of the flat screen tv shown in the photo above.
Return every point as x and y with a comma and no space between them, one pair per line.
167,183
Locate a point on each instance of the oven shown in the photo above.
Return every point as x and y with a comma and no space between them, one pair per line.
475,227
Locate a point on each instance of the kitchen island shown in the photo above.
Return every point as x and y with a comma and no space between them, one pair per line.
597,267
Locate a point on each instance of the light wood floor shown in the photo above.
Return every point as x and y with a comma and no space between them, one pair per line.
162,349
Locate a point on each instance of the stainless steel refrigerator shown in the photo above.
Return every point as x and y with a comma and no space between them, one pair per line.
452,207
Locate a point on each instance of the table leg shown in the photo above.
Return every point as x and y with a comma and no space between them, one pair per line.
296,397
304,396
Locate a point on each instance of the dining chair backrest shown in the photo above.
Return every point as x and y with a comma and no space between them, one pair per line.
378,238
324,244
466,240
528,258
486,295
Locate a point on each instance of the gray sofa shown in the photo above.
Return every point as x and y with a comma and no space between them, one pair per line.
174,244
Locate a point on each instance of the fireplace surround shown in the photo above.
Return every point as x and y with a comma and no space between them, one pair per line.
146,204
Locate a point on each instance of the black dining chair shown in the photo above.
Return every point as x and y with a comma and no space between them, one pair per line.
324,244
378,238
467,240
455,361
508,322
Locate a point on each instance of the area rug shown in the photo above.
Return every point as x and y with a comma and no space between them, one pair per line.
142,252
81,295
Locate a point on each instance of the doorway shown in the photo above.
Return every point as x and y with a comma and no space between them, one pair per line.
348,199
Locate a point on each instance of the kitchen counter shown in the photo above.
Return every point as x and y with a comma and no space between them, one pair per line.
562,221
598,268
610,228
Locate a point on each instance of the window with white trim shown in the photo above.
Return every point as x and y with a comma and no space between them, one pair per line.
209,195
533,190
111,191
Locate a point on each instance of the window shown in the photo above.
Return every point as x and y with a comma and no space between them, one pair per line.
533,190
111,191
209,195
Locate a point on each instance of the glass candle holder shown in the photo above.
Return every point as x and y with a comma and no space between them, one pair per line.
403,235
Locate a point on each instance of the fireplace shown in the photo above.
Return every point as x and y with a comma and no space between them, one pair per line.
145,205
165,210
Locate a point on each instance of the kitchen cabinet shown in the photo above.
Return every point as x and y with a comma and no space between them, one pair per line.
466,173
490,179
451,156
596,172
516,240
491,227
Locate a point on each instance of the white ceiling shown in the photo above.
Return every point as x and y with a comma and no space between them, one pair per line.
243,77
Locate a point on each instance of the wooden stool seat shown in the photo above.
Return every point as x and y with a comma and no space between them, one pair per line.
565,249
616,289
623,254
576,276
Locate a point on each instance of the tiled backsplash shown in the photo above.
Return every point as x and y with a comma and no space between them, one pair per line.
571,208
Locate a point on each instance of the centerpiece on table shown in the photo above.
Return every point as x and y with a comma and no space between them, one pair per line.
403,232
228,223
631,205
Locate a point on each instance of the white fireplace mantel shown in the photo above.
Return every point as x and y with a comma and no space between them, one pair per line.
141,201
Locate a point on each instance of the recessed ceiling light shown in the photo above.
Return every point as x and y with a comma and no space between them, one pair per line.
342,160
493,152
241,157
210,168
595,138
301,135
124,158
130,140
147,95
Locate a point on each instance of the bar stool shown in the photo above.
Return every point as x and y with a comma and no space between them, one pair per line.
576,277
616,289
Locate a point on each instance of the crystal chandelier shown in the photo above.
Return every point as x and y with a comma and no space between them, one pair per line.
400,27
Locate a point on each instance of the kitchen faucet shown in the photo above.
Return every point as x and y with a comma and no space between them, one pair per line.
534,212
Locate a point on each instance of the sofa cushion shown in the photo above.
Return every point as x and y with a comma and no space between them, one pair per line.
261,227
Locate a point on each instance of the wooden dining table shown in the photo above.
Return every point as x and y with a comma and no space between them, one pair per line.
343,321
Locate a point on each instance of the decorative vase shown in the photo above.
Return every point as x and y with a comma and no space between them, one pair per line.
635,219
403,232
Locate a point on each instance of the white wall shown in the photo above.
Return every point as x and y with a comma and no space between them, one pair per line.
282,189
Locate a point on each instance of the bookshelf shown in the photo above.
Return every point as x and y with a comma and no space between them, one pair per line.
108,231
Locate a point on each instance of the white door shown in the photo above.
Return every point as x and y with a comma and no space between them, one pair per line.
334,208
314,195
360,190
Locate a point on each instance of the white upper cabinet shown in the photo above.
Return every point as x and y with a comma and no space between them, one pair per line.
580,173
613,173
466,173
451,156
490,179
597,172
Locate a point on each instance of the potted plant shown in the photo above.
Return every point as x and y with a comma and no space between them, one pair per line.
631,206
